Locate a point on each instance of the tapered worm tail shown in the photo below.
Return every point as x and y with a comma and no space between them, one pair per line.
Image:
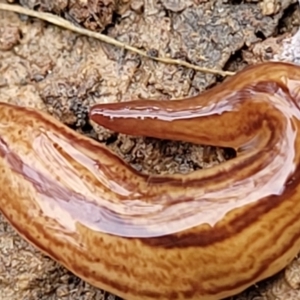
203,235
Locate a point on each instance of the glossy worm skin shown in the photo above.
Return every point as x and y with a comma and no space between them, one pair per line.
204,235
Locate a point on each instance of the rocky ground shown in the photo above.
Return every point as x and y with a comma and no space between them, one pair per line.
63,73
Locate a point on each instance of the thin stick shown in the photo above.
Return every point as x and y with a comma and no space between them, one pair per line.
55,20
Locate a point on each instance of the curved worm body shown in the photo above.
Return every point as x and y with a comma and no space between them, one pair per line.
204,235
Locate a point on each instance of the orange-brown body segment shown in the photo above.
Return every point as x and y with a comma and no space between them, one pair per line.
204,235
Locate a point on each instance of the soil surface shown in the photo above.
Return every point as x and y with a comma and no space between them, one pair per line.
63,74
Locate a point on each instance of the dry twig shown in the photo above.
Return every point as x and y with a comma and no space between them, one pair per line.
58,21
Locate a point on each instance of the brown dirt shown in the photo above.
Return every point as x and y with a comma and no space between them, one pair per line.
62,73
